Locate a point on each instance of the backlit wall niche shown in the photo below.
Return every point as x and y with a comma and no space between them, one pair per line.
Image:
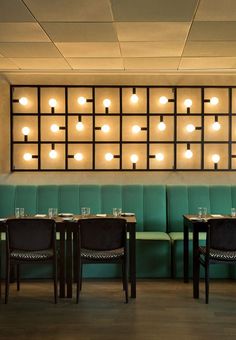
151,128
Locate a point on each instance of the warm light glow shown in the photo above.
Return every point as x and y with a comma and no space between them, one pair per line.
216,126
215,158
25,130
159,156
53,154
134,98
163,100
161,126
106,102
188,154
188,103
136,129
52,102
27,156
81,100
23,101
109,156
134,158
79,126
105,128
78,156
190,127
214,101
54,128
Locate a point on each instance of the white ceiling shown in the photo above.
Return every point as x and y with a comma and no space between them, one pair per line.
117,35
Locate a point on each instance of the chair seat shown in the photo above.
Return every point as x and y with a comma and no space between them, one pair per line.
31,255
219,255
100,255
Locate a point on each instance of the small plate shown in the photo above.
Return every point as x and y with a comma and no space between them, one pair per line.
127,214
70,218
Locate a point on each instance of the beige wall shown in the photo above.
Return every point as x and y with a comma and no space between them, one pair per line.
103,177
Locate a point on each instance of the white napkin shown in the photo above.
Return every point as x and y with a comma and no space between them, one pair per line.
101,215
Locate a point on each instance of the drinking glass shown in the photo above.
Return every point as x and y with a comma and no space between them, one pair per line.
115,212
22,212
83,211
17,212
87,211
50,212
204,212
233,212
199,212
119,211
54,212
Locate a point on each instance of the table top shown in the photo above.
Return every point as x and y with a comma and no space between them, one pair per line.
195,218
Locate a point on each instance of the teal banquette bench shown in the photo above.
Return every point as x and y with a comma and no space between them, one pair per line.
158,209
147,202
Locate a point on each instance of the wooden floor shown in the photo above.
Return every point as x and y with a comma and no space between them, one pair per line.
164,309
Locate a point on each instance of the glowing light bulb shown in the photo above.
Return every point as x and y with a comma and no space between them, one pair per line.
188,103
134,98
159,156
190,127
161,126
27,156
109,156
136,129
23,101
25,130
54,128
215,158
78,156
106,102
81,100
216,126
105,128
163,100
79,126
134,158
188,154
52,102
214,101
53,154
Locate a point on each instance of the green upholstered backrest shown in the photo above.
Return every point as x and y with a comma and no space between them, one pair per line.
7,200
111,197
26,197
154,207
198,196
47,198
221,199
68,201
132,201
177,206
90,196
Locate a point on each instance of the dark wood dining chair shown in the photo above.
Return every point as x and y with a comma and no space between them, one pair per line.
220,246
30,240
102,240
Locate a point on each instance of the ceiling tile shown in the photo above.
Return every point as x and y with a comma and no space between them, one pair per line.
151,63
89,49
68,32
29,50
153,10
6,64
151,49
22,32
207,63
210,48
14,11
41,63
215,30
70,10
216,10
152,31
96,63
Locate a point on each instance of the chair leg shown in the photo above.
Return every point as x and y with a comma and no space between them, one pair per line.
125,281
81,276
18,276
123,275
7,280
207,283
55,279
79,282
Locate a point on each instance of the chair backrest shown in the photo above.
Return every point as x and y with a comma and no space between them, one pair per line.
30,234
102,233
222,233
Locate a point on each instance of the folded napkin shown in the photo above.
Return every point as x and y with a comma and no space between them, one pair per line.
101,215
40,215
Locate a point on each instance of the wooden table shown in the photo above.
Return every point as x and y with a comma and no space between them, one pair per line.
68,260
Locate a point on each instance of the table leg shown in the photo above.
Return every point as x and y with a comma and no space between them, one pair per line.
186,251
132,259
69,276
195,263
62,258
